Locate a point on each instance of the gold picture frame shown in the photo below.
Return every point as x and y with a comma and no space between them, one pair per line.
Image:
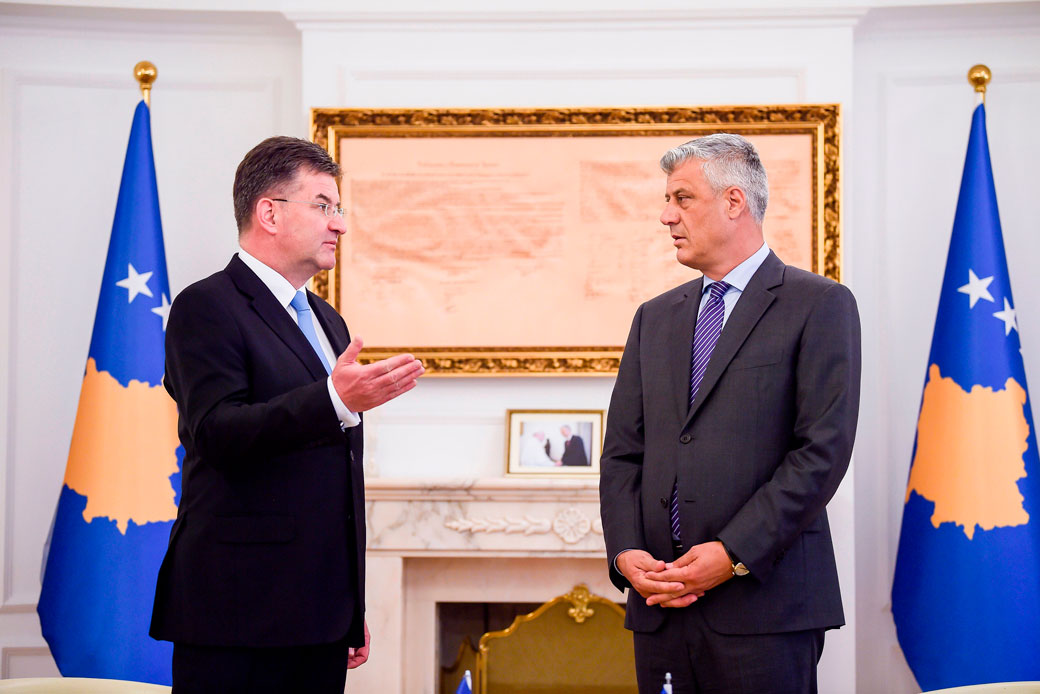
553,443
510,338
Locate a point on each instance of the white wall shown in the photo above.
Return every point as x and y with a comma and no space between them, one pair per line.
228,79
68,98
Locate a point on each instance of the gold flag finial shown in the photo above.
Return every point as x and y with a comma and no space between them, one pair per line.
145,73
979,76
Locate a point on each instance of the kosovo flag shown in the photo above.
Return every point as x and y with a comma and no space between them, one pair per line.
122,479
966,596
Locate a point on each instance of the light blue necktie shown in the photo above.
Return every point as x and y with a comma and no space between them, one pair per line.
303,317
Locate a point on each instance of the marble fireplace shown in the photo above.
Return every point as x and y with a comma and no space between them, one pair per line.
495,540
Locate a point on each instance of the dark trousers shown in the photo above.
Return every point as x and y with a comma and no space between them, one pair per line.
320,669
703,661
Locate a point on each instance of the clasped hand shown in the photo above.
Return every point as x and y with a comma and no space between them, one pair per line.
364,386
679,583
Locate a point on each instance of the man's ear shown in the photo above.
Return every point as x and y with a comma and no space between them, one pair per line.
736,201
265,216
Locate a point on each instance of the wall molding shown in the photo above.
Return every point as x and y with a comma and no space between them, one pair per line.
7,652
951,20
569,21
935,78
601,72
176,25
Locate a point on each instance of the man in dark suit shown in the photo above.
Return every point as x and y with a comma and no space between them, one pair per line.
573,448
730,427
262,586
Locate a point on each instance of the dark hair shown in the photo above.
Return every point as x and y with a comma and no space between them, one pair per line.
274,163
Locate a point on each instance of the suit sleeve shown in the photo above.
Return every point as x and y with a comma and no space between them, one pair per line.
208,374
621,464
826,401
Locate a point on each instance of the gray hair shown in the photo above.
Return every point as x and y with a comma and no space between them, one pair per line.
728,160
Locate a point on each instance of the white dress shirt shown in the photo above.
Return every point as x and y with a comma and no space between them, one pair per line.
284,293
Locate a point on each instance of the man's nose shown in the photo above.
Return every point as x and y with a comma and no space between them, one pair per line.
338,224
669,216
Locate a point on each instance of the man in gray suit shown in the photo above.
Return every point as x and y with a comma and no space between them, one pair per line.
730,427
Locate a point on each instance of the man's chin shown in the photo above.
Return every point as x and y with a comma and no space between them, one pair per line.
327,260
685,259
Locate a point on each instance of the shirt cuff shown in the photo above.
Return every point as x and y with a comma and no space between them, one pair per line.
347,418
618,555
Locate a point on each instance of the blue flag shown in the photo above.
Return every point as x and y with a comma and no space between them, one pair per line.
466,685
122,478
966,595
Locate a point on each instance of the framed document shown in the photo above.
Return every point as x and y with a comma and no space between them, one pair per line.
521,241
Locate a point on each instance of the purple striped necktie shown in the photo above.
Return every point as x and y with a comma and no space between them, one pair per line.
709,326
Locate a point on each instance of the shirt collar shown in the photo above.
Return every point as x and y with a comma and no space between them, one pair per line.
740,275
281,288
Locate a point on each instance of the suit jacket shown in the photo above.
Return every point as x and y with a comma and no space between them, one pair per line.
574,452
268,546
757,456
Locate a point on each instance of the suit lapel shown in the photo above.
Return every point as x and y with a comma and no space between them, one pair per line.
680,343
328,319
275,315
752,305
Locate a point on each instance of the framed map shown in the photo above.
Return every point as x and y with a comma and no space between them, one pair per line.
521,241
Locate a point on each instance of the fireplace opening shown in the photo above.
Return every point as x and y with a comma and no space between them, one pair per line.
462,623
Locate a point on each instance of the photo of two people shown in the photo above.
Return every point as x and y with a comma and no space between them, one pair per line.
554,442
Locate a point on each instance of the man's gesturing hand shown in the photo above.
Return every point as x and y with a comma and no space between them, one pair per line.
362,387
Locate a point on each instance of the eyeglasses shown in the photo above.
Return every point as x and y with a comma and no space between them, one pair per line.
327,209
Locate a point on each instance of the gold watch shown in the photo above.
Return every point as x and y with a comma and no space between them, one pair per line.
737,567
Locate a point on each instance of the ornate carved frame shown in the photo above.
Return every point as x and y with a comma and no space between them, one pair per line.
821,121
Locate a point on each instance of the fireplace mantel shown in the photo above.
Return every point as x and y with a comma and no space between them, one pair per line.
500,539
505,516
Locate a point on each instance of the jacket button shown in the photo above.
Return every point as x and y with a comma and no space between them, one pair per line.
685,438
664,502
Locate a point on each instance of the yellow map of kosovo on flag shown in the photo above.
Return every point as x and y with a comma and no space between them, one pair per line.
121,456
969,454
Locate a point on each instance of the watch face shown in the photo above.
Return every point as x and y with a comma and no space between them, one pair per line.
740,569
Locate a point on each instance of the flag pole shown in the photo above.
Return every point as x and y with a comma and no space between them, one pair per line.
146,73
979,77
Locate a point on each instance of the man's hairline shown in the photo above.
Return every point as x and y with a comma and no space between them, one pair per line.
297,174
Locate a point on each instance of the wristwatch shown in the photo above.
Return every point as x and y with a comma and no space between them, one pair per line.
737,567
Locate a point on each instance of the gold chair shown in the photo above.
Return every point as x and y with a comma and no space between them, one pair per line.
465,660
574,644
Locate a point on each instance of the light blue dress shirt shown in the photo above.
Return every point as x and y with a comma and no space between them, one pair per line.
738,279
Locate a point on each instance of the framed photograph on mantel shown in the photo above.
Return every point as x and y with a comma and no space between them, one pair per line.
502,242
546,443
